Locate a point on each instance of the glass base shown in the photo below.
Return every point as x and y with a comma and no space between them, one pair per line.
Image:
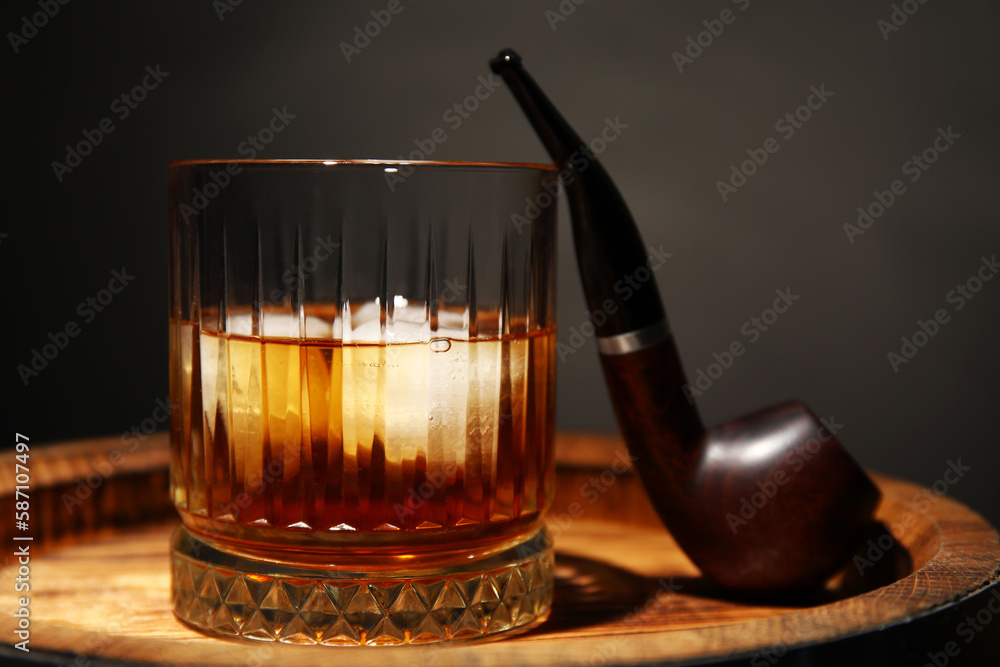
222,594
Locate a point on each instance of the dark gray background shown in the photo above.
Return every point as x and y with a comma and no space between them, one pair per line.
783,229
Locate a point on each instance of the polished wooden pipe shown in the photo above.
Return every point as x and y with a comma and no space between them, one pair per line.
769,503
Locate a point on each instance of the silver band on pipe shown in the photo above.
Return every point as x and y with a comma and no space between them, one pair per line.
633,341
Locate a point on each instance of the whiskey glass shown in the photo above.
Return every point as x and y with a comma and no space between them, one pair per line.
362,386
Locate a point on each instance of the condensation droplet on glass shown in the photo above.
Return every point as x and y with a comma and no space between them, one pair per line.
440,345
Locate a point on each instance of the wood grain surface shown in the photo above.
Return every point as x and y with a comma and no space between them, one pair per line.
625,594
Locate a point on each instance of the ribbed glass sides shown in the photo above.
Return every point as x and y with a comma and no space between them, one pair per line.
361,365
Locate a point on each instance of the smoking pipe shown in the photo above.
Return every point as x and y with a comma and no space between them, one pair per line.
769,503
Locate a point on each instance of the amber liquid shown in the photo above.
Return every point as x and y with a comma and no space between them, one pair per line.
362,454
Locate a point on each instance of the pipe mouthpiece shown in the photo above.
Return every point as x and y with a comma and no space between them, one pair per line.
609,250
504,59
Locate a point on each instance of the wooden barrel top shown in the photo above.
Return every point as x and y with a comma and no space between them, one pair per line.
625,594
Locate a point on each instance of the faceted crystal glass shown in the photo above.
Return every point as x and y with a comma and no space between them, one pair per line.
362,382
